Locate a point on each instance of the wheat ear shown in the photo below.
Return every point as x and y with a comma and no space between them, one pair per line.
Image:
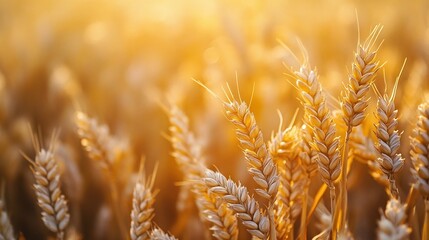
52,202
212,209
420,159
354,104
318,117
6,229
100,145
143,210
238,199
364,69
284,149
158,234
390,160
260,163
96,140
392,225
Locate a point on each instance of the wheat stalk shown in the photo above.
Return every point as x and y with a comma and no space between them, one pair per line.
238,199
52,202
143,211
390,160
186,154
6,229
158,234
284,150
392,225
100,147
354,104
318,117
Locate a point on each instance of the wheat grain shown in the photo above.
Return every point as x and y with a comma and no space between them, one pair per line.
213,210
392,225
238,199
143,211
158,234
6,228
390,160
52,202
260,164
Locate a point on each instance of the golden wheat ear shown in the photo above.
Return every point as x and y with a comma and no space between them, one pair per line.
390,160
143,201
392,224
284,149
364,68
55,213
6,228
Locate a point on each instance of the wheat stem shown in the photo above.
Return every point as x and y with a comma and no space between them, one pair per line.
425,234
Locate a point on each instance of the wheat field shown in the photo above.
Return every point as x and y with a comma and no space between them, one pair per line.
214,119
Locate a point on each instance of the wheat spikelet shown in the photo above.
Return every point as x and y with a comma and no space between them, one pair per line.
392,225
260,163
238,199
284,149
158,234
420,150
364,68
212,209
390,161
96,140
6,229
143,211
52,202
318,117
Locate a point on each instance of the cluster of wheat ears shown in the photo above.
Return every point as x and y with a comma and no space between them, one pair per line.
282,168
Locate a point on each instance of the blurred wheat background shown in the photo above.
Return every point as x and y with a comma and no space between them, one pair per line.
121,61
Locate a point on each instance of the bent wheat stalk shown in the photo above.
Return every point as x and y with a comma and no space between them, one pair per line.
52,202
